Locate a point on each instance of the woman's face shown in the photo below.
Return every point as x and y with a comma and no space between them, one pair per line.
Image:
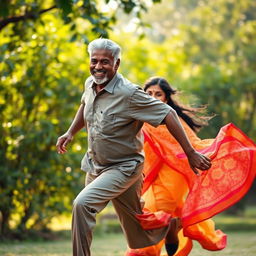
156,92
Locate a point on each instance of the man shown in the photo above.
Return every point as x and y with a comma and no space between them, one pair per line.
113,111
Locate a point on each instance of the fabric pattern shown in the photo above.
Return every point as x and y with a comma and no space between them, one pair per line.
171,186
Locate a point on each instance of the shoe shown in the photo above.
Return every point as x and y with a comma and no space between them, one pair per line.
171,239
171,249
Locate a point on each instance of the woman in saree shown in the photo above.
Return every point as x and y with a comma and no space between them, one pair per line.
171,187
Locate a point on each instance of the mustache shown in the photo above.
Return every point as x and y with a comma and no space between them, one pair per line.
99,70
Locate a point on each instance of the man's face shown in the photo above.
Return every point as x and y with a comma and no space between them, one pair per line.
102,66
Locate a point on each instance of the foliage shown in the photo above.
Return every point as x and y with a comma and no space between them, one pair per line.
43,66
92,13
217,42
205,48
223,56
43,61
35,82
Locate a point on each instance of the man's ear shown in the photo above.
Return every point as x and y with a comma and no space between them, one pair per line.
117,64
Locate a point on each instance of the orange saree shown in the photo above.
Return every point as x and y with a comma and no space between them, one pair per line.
172,187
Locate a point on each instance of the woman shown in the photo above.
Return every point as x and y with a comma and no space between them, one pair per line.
171,186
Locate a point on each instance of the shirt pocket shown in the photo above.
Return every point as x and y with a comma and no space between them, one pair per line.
107,123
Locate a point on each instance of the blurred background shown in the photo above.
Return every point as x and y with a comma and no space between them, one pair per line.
204,48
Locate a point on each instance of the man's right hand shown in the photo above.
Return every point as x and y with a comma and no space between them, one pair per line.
199,161
62,142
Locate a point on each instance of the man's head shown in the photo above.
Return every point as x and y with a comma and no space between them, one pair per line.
104,60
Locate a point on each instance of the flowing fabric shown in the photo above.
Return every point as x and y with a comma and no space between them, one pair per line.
232,173
171,186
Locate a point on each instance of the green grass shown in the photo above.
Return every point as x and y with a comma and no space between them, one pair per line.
239,244
241,233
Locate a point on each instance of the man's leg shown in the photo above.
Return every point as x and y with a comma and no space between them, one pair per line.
172,240
93,199
82,238
128,206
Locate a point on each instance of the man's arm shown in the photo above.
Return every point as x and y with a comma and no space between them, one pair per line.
196,160
77,124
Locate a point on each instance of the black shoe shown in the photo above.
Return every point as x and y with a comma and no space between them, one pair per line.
171,239
171,249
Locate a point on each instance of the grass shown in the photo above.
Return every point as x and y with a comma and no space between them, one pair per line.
239,244
247,222
241,233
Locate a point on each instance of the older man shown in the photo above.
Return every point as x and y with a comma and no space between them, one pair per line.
113,111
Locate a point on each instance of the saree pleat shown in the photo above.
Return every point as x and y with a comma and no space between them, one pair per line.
171,186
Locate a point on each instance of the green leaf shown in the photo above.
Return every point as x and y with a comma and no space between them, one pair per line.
65,6
5,6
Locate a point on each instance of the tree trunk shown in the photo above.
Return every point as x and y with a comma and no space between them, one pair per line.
4,222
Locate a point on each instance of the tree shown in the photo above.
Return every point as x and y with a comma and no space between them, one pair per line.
35,82
43,65
91,11
217,44
217,40
220,46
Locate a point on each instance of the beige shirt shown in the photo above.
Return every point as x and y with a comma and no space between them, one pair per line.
114,118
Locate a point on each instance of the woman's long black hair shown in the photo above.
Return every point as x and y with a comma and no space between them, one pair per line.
188,114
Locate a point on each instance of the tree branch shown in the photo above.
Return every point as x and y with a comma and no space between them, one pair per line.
29,15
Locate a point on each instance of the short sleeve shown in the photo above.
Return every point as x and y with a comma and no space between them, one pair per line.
83,98
86,83
145,108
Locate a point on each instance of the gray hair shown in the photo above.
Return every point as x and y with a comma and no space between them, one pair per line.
106,44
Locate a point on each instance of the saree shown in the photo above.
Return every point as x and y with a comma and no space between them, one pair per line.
172,187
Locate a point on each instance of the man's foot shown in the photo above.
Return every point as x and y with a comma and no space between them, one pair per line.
171,249
171,239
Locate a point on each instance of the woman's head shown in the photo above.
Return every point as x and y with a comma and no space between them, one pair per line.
160,89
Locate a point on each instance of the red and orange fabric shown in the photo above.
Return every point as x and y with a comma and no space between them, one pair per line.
171,186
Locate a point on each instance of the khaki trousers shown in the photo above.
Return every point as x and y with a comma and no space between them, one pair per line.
123,189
